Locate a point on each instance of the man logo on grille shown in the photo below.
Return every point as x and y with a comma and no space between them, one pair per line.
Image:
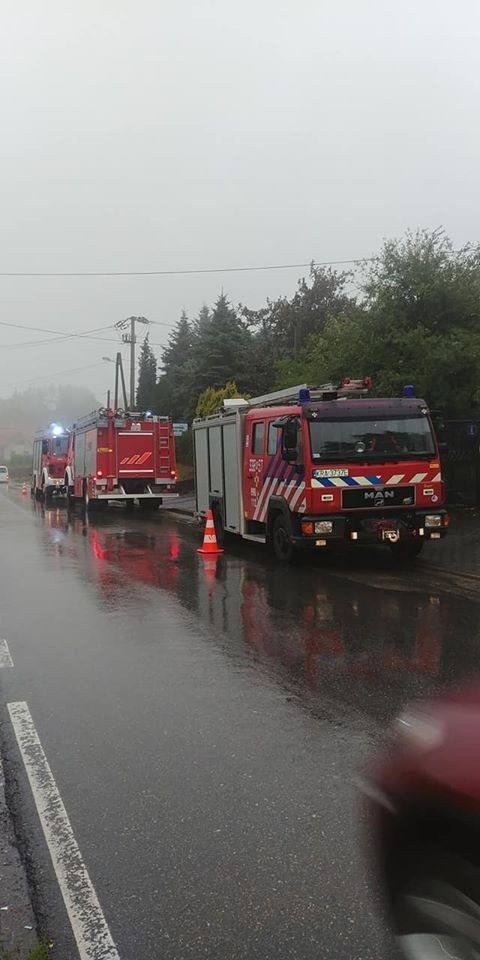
379,496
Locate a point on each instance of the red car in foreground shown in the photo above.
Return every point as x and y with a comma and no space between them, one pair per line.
423,799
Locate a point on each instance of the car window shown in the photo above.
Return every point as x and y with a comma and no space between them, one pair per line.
3,470
257,437
273,435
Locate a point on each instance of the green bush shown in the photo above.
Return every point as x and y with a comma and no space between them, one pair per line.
184,449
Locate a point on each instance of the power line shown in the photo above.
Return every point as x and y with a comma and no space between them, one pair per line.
183,272
52,339
58,335
59,373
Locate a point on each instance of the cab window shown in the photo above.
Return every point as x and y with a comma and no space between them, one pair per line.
258,434
273,435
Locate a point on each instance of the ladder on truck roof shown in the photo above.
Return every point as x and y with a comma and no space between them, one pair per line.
100,418
346,388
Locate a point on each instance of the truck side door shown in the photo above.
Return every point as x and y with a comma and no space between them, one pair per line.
253,466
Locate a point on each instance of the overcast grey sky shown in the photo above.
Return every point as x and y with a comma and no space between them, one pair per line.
146,134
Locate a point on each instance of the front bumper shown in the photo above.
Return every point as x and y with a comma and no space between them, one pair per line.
371,528
56,485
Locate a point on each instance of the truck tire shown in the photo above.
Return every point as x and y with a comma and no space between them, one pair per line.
90,505
406,550
281,540
48,495
219,528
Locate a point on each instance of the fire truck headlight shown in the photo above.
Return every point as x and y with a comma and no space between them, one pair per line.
433,520
57,430
324,526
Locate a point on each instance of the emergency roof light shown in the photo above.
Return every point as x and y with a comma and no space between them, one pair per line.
56,430
408,391
303,395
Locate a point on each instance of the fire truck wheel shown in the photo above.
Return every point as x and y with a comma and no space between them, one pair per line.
38,493
48,495
406,550
283,547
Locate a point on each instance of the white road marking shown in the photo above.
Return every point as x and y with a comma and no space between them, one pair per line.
5,658
90,929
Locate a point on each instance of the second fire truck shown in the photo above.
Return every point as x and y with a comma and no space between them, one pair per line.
309,469
121,456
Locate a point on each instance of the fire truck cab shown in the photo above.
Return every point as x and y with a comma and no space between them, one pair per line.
308,468
50,448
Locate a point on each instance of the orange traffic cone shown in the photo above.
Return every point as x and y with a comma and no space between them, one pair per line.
24,490
210,544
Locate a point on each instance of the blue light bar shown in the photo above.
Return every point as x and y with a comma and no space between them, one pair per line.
408,391
303,395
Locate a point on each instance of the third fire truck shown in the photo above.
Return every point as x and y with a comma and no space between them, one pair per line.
121,456
50,449
305,468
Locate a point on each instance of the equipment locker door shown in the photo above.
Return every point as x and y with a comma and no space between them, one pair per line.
216,460
232,474
135,453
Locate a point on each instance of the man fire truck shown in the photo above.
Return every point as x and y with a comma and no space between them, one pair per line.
304,468
119,455
50,448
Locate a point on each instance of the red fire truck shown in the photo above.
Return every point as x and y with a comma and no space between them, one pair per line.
118,455
50,448
311,468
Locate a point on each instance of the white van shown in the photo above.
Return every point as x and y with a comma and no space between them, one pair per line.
4,475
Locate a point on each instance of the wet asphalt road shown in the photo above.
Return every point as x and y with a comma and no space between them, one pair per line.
204,723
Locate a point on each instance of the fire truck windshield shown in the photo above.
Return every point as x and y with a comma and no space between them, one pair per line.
60,446
408,438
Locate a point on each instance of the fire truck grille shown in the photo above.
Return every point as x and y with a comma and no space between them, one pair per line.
376,498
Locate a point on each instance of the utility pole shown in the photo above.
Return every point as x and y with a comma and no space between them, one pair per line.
131,339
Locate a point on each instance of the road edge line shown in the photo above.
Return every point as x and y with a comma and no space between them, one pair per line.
89,926
449,572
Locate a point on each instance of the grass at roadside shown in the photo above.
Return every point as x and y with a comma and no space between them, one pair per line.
184,471
43,951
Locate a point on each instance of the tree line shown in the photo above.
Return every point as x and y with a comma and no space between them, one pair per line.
410,315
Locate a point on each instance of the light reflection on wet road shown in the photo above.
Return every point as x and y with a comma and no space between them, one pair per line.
205,720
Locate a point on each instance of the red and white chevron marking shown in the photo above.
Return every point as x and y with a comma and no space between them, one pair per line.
291,492
417,478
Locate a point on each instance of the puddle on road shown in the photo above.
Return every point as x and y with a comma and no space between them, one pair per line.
369,638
